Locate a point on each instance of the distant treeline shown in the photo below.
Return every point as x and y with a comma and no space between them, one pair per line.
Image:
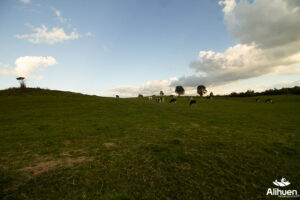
251,93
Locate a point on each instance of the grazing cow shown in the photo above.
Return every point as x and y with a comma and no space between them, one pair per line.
149,98
257,99
269,100
173,100
117,96
192,102
209,97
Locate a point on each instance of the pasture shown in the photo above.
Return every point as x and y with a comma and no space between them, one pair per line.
59,145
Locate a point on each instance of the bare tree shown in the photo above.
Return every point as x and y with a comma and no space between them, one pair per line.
161,93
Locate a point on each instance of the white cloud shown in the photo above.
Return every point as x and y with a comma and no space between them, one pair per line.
238,62
269,35
229,5
147,89
59,17
291,70
268,23
25,1
27,65
42,35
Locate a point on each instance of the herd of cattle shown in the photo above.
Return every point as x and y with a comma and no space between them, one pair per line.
172,100
266,101
191,100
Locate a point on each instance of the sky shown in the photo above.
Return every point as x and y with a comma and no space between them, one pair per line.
109,47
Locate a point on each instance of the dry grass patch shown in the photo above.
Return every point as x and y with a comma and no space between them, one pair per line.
38,168
67,154
67,142
70,162
109,144
195,125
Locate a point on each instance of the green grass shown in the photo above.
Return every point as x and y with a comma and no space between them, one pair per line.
58,145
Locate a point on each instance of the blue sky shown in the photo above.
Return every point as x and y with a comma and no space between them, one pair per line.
135,45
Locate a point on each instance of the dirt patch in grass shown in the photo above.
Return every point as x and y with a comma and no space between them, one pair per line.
65,154
195,125
67,142
70,162
38,168
74,153
109,144
78,152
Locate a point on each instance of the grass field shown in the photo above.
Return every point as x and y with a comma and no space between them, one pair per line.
57,145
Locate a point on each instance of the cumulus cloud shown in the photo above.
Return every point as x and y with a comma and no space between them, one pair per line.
268,23
292,70
229,5
147,89
269,36
28,64
25,66
42,35
238,62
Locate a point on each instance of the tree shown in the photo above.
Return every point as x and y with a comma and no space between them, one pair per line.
179,90
22,82
249,93
140,96
201,90
161,93
211,94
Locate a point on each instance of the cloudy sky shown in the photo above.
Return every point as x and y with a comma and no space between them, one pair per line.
139,46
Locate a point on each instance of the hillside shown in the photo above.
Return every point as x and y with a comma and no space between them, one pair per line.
36,92
61,145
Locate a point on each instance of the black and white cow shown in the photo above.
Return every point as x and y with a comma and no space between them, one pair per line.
269,100
173,100
192,102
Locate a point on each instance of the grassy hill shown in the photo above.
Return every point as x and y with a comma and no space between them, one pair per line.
59,145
